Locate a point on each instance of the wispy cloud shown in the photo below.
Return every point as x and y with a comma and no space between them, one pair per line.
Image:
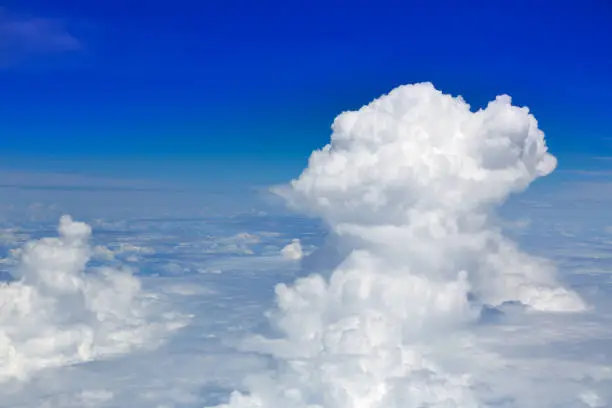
25,36
75,181
594,173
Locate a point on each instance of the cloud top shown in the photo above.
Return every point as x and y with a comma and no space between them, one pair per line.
417,148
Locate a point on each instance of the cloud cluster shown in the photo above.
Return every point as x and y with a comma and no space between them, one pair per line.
408,186
58,312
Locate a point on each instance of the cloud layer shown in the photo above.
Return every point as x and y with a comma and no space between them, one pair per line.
407,185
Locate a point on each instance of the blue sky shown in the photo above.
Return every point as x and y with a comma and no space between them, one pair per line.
246,90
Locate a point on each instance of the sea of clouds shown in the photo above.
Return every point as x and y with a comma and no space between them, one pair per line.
401,286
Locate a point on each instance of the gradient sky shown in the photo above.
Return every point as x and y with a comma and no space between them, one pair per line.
248,88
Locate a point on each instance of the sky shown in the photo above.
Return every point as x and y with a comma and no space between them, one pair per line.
177,90
305,204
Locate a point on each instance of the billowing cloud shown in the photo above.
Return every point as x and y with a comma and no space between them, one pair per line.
408,187
22,37
57,312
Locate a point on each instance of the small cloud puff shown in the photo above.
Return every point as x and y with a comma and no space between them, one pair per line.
293,251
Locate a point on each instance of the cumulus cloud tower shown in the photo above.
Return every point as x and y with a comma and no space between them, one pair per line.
416,172
408,184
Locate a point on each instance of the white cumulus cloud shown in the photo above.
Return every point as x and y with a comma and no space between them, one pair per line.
58,312
408,186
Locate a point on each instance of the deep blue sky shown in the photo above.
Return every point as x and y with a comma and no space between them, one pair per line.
108,85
